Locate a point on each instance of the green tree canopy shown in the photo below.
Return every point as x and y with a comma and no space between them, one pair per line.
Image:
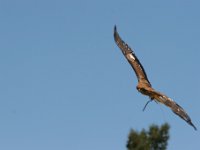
155,138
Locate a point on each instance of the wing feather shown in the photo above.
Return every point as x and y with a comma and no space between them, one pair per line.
177,109
132,58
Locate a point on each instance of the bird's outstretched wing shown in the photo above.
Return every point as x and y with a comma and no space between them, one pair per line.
177,109
132,59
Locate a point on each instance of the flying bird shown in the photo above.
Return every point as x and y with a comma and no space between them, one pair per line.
144,86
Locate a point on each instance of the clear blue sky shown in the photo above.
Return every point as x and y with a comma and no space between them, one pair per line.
65,85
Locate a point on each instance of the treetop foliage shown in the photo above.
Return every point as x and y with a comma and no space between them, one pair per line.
154,139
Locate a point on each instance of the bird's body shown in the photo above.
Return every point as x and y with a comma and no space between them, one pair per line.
144,86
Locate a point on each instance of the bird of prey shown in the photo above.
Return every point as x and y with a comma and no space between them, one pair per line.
144,86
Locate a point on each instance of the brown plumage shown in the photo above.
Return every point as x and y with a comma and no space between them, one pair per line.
144,86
